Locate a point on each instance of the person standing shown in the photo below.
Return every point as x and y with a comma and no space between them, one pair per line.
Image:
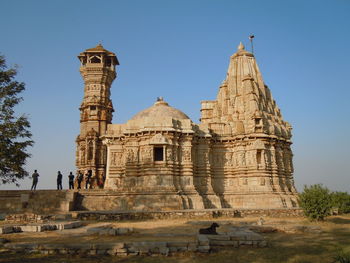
35,176
71,180
88,179
59,181
80,179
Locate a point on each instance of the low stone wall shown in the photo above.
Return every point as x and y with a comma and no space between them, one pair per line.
40,201
206,213
63,201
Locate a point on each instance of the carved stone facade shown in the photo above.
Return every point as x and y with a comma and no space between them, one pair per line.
239,156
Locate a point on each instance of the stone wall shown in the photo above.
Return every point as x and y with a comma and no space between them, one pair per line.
188,214
107,204
41,201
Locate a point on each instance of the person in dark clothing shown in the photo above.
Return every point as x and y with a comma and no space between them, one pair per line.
71,180
88,179
35,176
80,179
59,181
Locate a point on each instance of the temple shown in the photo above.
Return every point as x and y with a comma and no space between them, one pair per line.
238,156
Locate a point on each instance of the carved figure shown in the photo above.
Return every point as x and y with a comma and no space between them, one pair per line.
170,154
186,156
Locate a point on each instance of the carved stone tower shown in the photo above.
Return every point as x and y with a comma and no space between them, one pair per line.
98,71
251,155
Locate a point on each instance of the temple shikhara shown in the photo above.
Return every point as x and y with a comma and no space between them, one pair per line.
238,156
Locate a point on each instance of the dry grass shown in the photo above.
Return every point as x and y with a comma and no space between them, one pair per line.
289,248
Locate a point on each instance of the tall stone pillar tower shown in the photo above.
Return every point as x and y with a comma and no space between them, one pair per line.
98,71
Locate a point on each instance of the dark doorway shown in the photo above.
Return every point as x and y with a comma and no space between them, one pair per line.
158,154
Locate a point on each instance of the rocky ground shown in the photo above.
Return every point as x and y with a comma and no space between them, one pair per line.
286,239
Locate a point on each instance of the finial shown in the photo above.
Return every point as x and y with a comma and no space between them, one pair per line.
240,46
160,99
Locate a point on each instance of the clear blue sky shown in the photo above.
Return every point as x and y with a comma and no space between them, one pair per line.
172,48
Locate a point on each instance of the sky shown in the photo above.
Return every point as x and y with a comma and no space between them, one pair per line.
180,50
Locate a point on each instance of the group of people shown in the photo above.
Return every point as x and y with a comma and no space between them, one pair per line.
79,179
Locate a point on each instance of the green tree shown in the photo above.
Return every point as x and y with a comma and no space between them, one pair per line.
316,201
341,201
14,134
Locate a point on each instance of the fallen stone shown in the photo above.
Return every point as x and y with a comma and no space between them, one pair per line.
218,237
221,243
124,230
262,243
203,249
31,228
177,244
253,236
4,240
6,230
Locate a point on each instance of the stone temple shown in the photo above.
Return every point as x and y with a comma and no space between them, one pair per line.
238,156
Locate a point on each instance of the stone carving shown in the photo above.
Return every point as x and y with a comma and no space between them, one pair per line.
82,155
158,139
117,159
241,159
203,157
250,158
131,155
186,155
170,156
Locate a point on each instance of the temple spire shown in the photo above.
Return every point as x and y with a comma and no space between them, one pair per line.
244,100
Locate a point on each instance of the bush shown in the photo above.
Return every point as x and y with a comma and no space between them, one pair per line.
341,201
342,257
316,201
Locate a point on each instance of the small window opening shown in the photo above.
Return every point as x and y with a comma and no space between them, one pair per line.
158,154
258,156
90,151
92,107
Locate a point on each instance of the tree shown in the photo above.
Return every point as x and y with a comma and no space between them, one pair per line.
316,201
341,201
14,134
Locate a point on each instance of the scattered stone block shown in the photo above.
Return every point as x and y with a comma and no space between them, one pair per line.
164,251
221,243
262,243
203,249
192,247
6,230
218,237
31,228
3,240
203,240
124,230
177,244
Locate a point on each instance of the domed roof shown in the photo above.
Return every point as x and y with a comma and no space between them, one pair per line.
160,109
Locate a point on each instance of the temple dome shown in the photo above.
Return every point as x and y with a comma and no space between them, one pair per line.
160,109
